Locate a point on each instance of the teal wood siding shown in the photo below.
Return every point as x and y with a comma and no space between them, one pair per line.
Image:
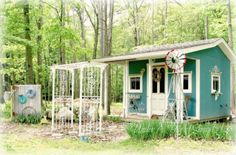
135,67
190,66
209,108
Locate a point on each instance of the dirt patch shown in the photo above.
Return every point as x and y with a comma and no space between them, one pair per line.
110,131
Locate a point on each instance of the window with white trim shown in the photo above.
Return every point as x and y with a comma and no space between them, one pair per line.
215,82
187,82
135,84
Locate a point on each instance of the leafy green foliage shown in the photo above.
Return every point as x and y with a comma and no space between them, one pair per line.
184,22
27,119
5,110
153,129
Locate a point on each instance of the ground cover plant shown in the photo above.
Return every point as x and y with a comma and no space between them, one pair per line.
27,119
155,129
5,110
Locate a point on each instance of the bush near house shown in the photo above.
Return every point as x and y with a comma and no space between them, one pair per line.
27,119
154,129
5,110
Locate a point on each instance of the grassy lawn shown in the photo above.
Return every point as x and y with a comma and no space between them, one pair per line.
15,144
30,139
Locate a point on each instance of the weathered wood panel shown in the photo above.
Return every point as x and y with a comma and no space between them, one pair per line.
33,99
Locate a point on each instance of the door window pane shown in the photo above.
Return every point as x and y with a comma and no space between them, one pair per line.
154,81
162,80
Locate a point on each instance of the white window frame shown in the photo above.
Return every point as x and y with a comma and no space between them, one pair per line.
189,90
219,77
141,84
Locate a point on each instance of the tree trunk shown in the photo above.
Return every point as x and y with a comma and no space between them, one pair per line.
61,41
106,24
82,33
230,35
95,45
230,42
28,48
166,16
206,27
39,48
101,21
95,25
2,82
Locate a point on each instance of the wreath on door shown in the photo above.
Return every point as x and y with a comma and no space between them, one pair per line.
156,76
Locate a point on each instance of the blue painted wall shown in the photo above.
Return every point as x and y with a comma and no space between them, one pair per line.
135,67
190,66
209,108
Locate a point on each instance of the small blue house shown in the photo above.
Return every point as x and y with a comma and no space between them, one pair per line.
206,79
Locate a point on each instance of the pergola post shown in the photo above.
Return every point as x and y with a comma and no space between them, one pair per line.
72,94
53,96
125,90
101,99
105,92
81,100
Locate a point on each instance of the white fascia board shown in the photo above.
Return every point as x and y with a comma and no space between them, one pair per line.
228,51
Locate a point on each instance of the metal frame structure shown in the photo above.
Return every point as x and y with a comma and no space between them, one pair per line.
77,95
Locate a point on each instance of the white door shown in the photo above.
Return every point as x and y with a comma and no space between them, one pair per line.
158,99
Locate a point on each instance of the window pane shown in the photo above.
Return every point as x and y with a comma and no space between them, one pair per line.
135,83
162,81
132,85
185,82
138,84
216,83
154,81
154,86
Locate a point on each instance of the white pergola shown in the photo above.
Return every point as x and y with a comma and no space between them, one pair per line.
77,97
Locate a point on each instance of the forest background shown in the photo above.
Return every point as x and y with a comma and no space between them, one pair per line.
35,34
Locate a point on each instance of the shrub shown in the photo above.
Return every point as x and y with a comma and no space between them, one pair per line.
5,110
151,129
154,129
27,119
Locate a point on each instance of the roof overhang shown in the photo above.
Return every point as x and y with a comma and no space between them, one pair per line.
161,54
78,65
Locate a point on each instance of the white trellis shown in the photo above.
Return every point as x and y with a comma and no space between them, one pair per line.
77,97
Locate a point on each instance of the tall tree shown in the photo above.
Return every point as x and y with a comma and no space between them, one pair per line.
95,24
230,32
62,24
230,42
134,7
106,13
28,48
1,54
39,43
80,12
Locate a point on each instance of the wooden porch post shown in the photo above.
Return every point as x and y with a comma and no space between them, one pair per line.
105,92
125,82
149,90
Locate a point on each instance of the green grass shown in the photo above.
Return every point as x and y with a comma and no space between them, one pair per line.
15,144
23,144
154,129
